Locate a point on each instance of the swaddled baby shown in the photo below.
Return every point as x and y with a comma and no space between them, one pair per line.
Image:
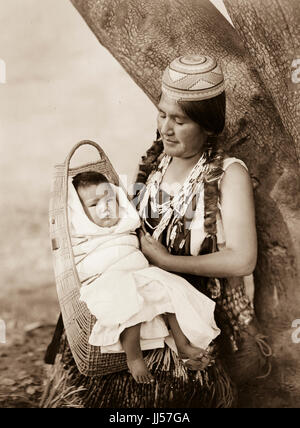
132,301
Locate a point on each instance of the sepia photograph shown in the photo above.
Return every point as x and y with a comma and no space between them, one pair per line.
150,206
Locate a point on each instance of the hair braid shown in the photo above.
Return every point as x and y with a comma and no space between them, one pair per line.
215,158
150,161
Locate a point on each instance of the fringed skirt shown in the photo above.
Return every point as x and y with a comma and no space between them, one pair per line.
174,386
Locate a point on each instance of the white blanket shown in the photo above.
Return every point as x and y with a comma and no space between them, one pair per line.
121,289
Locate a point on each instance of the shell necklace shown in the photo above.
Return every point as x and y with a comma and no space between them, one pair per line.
179,203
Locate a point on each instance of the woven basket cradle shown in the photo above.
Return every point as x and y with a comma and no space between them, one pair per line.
78,321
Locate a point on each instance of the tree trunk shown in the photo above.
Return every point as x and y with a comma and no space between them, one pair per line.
270,30
262,127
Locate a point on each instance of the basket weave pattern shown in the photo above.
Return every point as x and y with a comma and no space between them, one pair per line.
78,321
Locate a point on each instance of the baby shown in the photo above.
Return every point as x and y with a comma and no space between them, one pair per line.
132,301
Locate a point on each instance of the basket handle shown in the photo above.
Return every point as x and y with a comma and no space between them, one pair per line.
83,143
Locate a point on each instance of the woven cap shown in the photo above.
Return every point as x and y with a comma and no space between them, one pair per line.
193,78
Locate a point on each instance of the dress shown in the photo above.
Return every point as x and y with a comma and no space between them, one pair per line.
195,232
196,226
121,289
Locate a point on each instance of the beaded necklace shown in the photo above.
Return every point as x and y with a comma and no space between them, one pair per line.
174,208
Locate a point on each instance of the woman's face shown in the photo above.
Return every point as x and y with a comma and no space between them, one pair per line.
182,137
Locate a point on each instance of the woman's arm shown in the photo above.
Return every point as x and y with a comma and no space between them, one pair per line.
238,216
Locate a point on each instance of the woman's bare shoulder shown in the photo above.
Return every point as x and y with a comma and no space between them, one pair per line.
228,161
235,173
236,183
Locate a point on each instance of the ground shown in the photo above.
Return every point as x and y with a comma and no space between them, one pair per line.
22,386
22,370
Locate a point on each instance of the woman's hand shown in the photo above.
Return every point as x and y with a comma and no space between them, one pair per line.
154,251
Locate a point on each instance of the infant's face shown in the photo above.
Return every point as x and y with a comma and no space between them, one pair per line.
100,204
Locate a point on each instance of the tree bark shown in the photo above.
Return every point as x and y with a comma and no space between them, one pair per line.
270,31
261,126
